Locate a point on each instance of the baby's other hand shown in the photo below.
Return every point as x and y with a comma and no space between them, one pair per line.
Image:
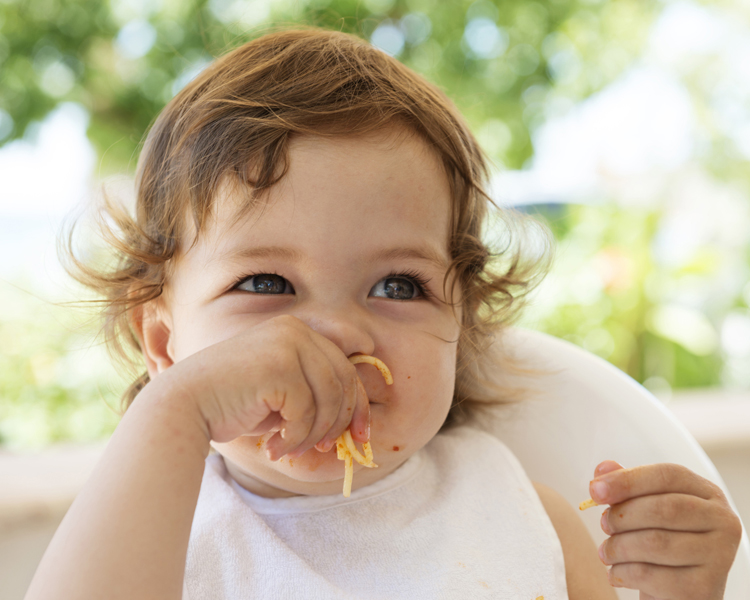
673,533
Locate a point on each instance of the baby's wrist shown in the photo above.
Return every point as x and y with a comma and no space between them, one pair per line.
175,400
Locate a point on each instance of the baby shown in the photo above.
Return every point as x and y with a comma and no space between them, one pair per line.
308,199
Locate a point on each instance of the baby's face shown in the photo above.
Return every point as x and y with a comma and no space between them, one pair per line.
362,217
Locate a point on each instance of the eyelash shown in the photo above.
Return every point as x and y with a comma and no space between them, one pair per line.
415,276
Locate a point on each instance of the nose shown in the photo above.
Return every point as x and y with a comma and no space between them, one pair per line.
344,326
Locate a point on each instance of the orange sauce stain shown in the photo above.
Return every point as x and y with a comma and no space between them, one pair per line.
408,376
539,598
462,565
484,584
396,448
291,464
260,443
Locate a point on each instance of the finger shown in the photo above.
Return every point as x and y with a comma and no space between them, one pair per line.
659,581
662,478
675,512
267,424
331,391
297,411
360,425
607,467
352,388
375,383
655,546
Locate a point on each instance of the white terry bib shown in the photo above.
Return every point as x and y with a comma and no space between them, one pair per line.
459,519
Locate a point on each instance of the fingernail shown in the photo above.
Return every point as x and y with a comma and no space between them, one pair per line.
602,556
599,491
324,445
605,522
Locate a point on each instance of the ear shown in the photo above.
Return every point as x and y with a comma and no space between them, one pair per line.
153,326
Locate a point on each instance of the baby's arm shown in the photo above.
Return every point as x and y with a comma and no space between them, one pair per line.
586,576
126,535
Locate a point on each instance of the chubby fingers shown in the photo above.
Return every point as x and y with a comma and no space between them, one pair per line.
623,484
337,391
674,512
657,547
673,534
607,466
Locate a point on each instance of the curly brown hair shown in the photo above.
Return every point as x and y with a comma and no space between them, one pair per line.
237,118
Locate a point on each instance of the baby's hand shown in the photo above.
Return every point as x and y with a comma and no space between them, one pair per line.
279,375
673,532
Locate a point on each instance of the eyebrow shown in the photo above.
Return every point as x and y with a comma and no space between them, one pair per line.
424,253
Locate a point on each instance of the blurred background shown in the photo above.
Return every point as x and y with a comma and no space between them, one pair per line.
623,124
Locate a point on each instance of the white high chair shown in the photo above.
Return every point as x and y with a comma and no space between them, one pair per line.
581,411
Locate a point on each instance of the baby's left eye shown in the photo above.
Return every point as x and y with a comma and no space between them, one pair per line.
396,288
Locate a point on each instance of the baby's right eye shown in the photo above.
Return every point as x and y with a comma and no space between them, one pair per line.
266,283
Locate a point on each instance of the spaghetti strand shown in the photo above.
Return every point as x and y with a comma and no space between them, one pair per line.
346,450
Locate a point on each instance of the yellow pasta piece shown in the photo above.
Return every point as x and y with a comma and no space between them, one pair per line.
368,451
348,475
345,448
587,504
376,362
356,455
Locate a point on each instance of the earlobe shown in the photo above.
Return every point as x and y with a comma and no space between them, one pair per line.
154,332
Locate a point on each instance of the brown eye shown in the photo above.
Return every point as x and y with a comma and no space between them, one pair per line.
266,283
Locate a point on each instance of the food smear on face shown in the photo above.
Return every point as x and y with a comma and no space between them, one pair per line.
345,448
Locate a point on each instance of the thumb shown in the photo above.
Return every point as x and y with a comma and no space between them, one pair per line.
607,467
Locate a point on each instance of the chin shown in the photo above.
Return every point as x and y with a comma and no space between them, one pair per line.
289,474
312,467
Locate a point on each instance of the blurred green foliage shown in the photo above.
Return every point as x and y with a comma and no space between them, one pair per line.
502,62
609,294
56,381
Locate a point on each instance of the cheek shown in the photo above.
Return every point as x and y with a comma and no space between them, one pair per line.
422,396
194,332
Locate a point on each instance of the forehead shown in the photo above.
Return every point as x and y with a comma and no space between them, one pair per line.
389,179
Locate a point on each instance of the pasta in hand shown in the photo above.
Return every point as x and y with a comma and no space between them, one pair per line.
345,448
